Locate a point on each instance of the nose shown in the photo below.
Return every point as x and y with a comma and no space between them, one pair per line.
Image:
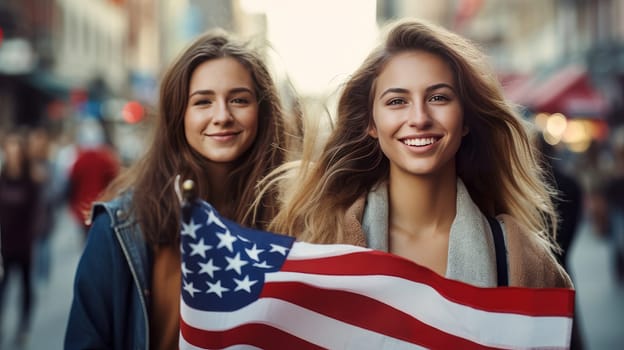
222,113
418,116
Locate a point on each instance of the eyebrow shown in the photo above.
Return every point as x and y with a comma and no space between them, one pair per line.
428,89
211,92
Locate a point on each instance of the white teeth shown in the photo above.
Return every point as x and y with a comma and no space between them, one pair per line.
419,142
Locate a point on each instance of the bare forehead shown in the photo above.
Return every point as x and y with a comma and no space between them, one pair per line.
415,66
219,71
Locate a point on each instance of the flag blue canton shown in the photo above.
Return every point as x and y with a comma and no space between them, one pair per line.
223,263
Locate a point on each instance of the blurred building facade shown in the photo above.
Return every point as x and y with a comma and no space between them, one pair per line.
92,36
56,52
65,60
186,19
26,48
62,58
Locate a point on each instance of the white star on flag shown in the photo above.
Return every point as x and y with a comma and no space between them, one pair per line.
225,240
216,288
190,229
278,248
199,248
235,263
244,284
254,252
213,219
190,289
263,265
185,270
208,268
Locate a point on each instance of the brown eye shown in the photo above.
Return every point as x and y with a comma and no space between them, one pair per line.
396,101
201,102
240,100
439,98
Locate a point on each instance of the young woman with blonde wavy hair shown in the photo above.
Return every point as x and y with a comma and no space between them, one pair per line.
424,154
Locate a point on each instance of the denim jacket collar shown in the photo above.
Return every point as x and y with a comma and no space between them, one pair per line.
133,244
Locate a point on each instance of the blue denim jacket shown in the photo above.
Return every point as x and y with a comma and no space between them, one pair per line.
112,283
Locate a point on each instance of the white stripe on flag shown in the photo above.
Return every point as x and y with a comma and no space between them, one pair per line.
327,332
428,306
303,250
184,345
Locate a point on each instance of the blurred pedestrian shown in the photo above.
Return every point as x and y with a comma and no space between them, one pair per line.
614,194
430,163
593,174
42,169
18,200
569,204
95,166
220,125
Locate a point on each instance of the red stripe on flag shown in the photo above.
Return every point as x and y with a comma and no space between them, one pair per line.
525,301
256,334
366,313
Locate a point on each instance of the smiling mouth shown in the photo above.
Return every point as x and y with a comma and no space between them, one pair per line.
419,142
223,134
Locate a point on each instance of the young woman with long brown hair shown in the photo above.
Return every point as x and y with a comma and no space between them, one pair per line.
221,125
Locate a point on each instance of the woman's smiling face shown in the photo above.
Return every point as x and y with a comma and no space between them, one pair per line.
221,119
417,114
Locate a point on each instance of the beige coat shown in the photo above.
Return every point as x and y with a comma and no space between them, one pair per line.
530,264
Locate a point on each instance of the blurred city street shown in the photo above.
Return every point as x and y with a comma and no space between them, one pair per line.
601,300
80,85
53,299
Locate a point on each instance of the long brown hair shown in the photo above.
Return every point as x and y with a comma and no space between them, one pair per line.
496,160
151,179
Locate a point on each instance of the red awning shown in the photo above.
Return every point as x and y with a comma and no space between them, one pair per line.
569,91
516,86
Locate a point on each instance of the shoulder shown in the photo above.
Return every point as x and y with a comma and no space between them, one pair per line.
103,244
117,210
366,220
531,262
100,242
105,216
103,277
356,210
100,250
353,222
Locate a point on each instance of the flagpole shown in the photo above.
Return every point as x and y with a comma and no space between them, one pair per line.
189,196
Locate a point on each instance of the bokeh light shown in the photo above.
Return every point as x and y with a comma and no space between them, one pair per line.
132,112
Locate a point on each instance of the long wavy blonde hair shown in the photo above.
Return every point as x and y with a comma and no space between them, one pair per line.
497,160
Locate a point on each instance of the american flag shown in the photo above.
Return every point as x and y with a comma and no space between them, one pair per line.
250,289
